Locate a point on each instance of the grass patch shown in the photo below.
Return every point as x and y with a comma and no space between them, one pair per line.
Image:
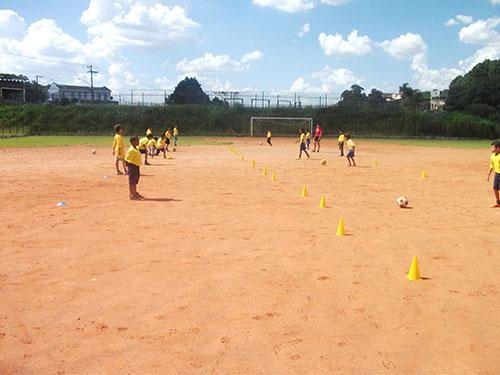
94,141
444,143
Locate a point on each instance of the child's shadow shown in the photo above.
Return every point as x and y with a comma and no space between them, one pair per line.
161,200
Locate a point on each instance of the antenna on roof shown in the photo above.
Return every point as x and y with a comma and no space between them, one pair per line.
91,71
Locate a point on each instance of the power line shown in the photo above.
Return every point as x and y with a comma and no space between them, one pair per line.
91,71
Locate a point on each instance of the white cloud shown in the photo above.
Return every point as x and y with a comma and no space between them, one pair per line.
294,6
127,23
251,56
495,2
480,32
404,46
304,30
12,25
290,6
334,45
217,63
327,80
459,19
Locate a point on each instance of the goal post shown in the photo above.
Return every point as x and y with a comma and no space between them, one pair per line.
278,124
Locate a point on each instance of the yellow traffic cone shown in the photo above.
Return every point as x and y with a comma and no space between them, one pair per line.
274,177
424,175
375,163
303,194
322,202
341,228
413,273
253,163
264,171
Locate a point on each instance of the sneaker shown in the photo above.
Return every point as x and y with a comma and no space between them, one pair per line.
134,198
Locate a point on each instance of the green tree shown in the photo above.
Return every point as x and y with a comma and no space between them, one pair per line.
189,91
478,91
353,98
376,99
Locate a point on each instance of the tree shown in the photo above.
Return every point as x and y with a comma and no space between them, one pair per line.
354,98
477,89
376,99
189,91
414,100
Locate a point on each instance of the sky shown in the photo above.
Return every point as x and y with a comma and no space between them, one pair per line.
306,46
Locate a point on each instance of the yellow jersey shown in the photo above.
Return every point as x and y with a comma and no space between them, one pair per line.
160,143
302,138
269,134
308,135
168,134
176,131
143,143
119,146
350,144
341,138
133,156
495,162
152,143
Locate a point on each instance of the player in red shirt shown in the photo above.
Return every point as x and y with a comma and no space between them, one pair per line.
318,133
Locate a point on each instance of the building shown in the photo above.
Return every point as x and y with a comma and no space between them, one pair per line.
391,97
80,94
438,99
13,88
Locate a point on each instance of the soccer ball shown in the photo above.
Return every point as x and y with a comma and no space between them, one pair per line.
174,149
323,162
261,143
402,202
94,152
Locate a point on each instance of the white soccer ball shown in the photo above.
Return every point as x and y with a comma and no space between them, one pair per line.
402,202
323,162
261,143
94,152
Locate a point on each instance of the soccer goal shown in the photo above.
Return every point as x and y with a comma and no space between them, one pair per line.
281,125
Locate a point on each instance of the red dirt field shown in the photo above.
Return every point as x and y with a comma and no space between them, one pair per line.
225,272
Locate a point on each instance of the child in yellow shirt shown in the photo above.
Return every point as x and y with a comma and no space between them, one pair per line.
119,149
350,150
341,141
161,145
302,141
168,137
176,135
308,139
495,167
143,147
269,136
133,160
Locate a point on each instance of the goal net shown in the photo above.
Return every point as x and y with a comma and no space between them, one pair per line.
279,125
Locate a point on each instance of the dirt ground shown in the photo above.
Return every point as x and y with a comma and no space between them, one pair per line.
223,271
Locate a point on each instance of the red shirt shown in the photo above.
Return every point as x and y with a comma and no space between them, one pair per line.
318,132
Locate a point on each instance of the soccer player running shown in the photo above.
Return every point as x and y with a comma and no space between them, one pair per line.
318,133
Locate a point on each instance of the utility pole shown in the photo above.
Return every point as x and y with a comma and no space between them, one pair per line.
36,92
36,78
91,71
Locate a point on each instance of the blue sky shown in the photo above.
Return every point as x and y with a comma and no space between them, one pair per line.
249,44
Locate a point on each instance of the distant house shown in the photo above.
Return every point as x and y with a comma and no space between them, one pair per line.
13,88
81,94
438,99
391,97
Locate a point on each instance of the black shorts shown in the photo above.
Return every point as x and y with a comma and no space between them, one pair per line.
134,174
168,141
316,139
496,182
350,154
302,146
143,151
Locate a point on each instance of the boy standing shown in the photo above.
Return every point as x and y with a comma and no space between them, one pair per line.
119,149
341,141
168,136
350,150
318,133
302,141
308,139
133,159
495,167
269,136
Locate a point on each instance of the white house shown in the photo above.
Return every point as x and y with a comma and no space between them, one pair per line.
81,94
438,99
